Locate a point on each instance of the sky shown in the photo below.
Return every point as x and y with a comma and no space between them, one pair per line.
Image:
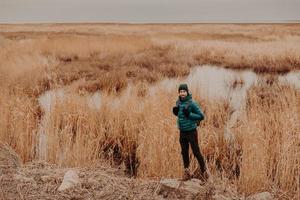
151,11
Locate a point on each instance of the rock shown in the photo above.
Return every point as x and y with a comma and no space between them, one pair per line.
47,178
261,196
179,189
23,179
8,157
220,197
71,179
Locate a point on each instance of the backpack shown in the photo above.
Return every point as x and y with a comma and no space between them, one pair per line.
186,107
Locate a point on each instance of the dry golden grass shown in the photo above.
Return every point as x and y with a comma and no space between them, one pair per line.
271,139
141,132
70,52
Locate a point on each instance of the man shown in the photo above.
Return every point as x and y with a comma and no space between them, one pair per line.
188,114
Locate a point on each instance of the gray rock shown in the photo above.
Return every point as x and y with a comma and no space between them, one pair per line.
22,178
261,196
220,197
174,188
71,179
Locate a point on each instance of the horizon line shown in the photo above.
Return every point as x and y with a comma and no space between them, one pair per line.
158,23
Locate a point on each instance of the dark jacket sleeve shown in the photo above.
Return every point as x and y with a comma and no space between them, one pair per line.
176,109
196,112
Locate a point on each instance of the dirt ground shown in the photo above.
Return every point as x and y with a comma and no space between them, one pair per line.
39,180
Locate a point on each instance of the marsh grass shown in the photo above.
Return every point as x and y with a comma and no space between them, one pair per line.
140,133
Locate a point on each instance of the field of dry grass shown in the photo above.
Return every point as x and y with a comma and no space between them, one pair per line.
138,52
125,63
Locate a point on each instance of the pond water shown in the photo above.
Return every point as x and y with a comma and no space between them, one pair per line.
209,81
47,102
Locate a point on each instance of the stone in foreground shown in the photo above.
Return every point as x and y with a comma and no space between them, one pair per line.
71,179
174,188
261,196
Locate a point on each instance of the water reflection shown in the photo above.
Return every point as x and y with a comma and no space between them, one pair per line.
46,101
209,81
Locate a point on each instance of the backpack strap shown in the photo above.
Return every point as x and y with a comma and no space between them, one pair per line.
188,103
177,102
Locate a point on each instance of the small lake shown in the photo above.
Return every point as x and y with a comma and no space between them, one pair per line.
210,81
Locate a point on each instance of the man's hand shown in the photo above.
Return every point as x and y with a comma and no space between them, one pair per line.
186,112
175,110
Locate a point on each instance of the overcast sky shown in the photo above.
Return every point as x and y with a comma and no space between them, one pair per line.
142,11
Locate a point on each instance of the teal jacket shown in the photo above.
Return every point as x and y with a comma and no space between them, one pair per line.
188,123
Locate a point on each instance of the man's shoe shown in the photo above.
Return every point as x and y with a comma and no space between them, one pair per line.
186,175
205,176
198,174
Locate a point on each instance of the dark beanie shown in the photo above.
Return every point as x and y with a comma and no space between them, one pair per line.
183,86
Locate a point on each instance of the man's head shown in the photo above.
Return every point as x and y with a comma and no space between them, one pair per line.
183,90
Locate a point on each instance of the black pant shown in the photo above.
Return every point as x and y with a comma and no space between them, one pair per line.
186,138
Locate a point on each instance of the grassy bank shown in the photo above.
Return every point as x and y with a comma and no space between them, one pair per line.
139,130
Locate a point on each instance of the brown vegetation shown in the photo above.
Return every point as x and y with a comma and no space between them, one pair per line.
141,133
